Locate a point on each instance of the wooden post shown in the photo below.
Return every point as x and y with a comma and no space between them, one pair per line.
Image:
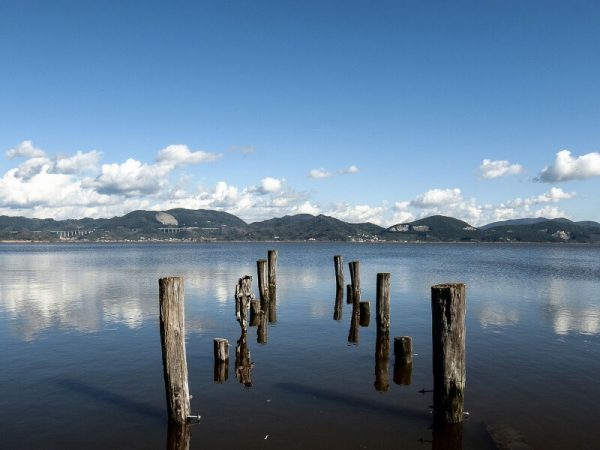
382,351
221,351
263,284
403,349
404,360
255,312
354,322
272,257
349,297
383,303
337,309
243,297
263,326
338,262
449,370
355,280
365,313
172,336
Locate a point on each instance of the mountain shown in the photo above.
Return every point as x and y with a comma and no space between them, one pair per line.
309,227
433,228
513,222
209,225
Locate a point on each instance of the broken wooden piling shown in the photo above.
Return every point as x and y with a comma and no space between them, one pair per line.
263,283
243,298
448,332
221,368
383,303
255,312
355,280
337,309
172,336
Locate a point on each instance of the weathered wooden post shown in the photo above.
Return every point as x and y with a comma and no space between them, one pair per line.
383,304
382,348
255,312
355,280
221,351
272,257
404,360
243,298
382,351
337,309
172,336
449,370
353,334
263,327
365,313
338,262
263,283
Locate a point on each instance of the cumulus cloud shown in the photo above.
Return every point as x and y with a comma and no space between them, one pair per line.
269,184
437,197
566,167
131,178
25,149
357,213
179,155
499,168
319,174
79,162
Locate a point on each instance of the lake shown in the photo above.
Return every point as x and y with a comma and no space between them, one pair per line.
82,367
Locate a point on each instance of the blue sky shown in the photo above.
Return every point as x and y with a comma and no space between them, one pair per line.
366,111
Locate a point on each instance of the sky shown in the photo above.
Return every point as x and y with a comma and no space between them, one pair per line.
379,111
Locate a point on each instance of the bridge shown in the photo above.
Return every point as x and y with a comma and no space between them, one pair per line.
63,234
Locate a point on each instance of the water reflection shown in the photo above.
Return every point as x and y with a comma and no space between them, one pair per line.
178,436
382,355
243,365
337,308
570,310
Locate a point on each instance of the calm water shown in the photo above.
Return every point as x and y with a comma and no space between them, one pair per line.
81,361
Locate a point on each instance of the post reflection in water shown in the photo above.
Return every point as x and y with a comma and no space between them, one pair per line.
447,436
382,352
178,436
354,324
339,300
221,371
402,373
243,365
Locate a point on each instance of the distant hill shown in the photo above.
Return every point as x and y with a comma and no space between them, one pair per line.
306,226
434,228
210,225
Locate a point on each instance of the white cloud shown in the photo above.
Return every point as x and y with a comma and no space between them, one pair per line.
357,213
499,168
319,174
131,178
306,208
437,197
269,184
80,162
25,150
566,167
179,155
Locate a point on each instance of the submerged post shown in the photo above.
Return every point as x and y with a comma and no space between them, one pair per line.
172,336
349,299
221,351
365,313
272,258
404,360
338,262
449,370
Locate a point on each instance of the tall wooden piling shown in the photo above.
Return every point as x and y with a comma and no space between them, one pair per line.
272,258
448,332
355,280
382,352
349,297
172,336
383,303
338,262
263,283
255,312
